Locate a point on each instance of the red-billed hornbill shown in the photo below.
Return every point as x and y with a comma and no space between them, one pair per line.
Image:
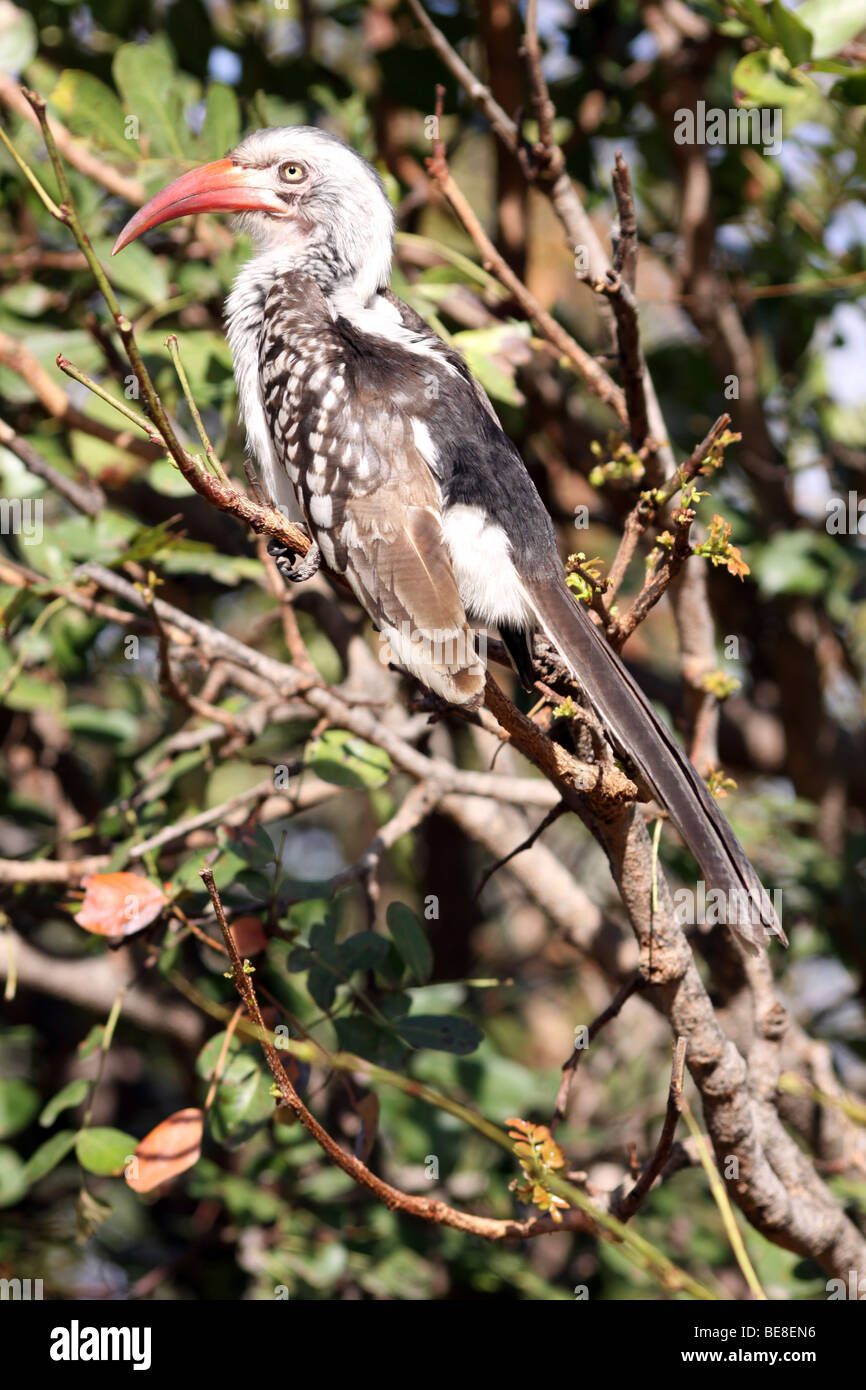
357,410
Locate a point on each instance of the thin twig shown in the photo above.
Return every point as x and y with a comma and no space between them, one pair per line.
17,357
220,1062
594,375
127,411
633,1199
280,591
720,1196
631,361
417,805
658,580
87,498
553,815
29,175
79,157
561,191
65,871
569,1066
625,238
652,502
547,157
210,453
171,834
175,689
605,786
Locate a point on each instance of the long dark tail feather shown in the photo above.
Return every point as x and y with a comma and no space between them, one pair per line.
637,731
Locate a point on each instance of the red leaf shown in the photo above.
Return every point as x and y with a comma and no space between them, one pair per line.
169,1149
368,1112
119,904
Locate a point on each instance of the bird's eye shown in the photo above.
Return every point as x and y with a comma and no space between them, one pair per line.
292,172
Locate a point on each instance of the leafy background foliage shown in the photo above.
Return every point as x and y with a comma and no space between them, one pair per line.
477,996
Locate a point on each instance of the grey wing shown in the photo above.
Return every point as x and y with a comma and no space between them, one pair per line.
412,320
389,543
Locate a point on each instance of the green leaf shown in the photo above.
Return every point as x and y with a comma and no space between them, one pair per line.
14,606
26,299
18,39
831,65
296,960
48,1155
364,950
70,1095
243,1101
222,122
104,538
89,1045
392,969
13,1181
440,1032
207,361
396,1005
494,354
150,541
19,1103
257,849
30,693
104,1151
766,78
795,562
166,478
792,33
851,89
833,23
138,271
90,108
366,1039
411,941
206,1062
358,1035
322,985
323,936
198,557
345,760
106,725
147,81
754,16
228,870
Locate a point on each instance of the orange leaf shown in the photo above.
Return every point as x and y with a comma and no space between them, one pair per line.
168,1150
249,936
119,904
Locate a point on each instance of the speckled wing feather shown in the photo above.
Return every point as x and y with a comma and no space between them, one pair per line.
370,501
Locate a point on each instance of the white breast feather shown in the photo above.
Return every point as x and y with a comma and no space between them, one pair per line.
243,322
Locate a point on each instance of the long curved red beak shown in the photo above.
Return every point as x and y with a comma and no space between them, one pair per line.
218,187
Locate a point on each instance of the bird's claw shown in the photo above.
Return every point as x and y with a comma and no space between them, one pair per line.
294,567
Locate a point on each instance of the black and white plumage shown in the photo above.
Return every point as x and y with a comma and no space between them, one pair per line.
364,420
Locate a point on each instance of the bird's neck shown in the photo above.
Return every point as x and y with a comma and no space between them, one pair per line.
346,291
